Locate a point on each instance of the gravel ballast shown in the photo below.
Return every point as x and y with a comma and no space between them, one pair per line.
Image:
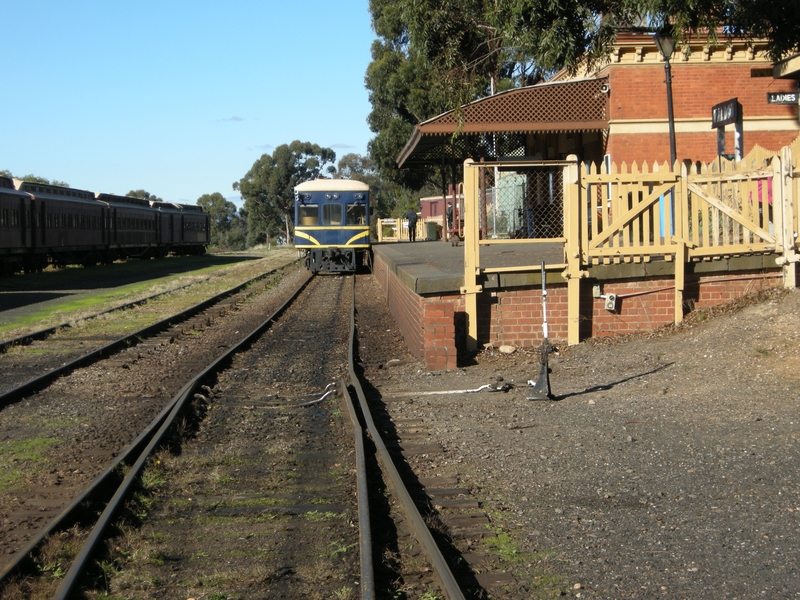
665,467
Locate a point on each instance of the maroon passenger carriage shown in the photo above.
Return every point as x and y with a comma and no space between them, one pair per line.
15,233
43,223
183,228
143,227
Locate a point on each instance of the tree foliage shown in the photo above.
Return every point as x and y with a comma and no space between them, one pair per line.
466,40
144,195
432,56
225,231
34,179
402,90
360,168
268,187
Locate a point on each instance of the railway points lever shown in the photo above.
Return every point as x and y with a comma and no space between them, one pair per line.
541,387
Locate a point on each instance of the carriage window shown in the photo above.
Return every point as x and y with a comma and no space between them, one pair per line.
356,214
308,214
331,214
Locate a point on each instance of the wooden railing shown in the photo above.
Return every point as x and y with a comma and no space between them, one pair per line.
634,214
729,213
396,230
629,213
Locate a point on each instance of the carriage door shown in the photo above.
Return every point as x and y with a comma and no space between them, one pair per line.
23,222
40,223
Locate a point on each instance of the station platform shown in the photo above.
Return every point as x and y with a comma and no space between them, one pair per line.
437,267
422,284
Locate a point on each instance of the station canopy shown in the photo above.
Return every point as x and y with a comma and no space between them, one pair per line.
788,68
498,125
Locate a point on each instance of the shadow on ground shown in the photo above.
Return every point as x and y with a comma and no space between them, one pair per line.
118,274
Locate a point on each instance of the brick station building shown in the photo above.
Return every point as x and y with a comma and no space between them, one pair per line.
615,114
702,77
618,113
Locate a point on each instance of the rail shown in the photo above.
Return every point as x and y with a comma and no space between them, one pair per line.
109,349
421,531
135,453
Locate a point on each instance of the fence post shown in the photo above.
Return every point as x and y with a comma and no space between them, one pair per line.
471,252
681,193
783,204
572,248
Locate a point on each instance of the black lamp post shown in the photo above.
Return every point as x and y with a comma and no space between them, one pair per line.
666,45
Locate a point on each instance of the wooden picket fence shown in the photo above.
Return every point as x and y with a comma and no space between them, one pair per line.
637,213
640,213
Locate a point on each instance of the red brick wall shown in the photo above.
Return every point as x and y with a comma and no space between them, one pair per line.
440,333
404,304
641,305
716,290
701,147
514,317
639,92
427,323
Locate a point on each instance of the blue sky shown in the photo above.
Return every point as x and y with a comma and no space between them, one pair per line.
178,98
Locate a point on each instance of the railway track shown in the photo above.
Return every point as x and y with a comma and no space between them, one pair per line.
266,466
58,439
69,352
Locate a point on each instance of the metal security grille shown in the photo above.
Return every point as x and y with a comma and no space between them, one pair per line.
521,204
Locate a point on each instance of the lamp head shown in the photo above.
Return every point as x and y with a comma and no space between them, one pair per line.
665,43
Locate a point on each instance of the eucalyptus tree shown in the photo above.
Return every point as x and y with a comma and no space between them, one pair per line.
144,195
268,187
361,168
223,217
432,56
34,179
402,90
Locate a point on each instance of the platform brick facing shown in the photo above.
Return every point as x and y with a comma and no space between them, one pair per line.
427,324
514,316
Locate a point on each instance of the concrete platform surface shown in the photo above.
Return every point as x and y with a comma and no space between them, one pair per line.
437,267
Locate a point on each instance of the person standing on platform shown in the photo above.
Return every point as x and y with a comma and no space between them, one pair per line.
412,225
449,216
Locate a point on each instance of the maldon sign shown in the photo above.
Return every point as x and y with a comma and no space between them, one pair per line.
728,113
725,113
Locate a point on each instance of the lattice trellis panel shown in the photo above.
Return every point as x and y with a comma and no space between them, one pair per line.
435,150
574,101
495,126
524,204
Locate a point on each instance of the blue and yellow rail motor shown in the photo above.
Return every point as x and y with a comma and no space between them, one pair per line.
331,224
